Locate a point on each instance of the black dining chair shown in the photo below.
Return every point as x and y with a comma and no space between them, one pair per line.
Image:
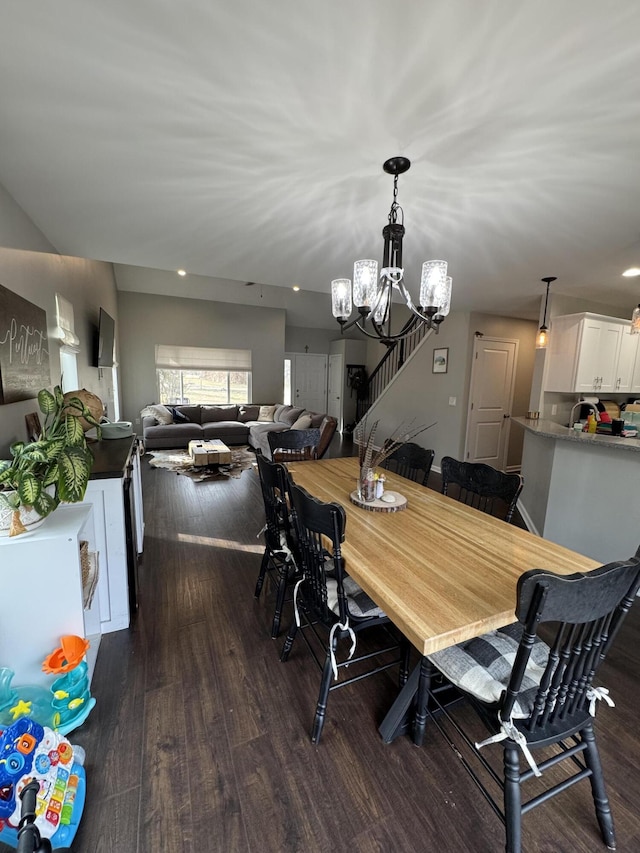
533,693
481,486
278,559
294,445
411,461
330,607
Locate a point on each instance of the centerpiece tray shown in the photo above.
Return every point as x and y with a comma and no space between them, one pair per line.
379,505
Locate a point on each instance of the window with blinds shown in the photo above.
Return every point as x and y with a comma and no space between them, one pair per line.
203,375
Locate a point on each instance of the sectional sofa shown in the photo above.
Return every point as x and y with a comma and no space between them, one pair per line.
166,427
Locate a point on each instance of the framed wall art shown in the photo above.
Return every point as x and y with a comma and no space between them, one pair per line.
440,360
24,352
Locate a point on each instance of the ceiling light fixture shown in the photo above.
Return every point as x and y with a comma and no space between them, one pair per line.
373,297
542,340
182,272
296,287
631,272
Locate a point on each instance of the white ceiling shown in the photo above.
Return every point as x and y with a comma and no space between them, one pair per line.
244,139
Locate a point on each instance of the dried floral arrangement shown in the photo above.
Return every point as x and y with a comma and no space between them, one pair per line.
369,456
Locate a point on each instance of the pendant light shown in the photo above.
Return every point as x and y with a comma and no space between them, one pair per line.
542,339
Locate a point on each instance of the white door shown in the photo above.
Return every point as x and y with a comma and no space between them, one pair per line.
310,381
334,391
491,396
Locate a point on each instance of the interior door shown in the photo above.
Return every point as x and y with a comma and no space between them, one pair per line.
491,397
310,381
334,390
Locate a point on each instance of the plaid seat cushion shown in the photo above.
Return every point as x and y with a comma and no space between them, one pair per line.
359,603
482,667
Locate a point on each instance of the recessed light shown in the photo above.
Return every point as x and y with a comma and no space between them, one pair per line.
182,272
631,272
297,288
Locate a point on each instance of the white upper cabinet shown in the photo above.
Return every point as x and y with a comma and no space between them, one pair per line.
591,354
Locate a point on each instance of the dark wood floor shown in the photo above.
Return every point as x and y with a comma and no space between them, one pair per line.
200,737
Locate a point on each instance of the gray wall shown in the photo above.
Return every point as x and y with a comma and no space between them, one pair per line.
30,267
417,395
317,340
147,320
17,231
88,285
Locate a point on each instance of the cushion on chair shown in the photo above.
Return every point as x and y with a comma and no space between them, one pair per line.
482,667
360,605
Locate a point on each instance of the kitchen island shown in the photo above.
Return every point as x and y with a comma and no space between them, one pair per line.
581,489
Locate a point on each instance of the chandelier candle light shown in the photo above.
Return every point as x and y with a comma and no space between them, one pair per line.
372,296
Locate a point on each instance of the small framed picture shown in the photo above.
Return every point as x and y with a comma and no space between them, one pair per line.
440,360
34,428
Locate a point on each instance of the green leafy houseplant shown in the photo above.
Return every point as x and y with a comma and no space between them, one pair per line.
55,467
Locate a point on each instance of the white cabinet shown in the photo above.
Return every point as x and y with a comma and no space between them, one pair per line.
115,491
590,354
42,594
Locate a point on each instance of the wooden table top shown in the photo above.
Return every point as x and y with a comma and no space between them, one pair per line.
442,571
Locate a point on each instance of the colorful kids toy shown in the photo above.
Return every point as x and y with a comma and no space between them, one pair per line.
66,704
72,701
31,751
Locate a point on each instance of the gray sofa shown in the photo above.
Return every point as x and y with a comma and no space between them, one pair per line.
231,424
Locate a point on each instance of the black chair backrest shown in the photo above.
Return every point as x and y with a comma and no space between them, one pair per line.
274,485
411,461
294,444
482,486
587,609
320,532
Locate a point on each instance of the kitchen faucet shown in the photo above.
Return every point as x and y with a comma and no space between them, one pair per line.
580,403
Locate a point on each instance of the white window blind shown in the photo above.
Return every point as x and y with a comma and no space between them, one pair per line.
202,358
67,337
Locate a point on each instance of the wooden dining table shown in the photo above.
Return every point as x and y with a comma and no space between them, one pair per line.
442,571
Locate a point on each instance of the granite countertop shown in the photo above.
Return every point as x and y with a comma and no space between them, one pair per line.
550,429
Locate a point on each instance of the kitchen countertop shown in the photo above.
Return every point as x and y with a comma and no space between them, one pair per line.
110,456
551,429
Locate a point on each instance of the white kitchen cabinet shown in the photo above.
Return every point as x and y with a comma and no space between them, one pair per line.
590,354
115,492
42,595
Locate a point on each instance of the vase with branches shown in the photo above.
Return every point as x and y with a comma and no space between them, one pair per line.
371,456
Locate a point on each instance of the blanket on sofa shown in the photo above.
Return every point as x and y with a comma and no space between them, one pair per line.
179,461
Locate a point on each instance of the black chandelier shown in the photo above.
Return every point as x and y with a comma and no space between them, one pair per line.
372,296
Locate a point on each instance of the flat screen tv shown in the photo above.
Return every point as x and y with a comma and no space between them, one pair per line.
106,338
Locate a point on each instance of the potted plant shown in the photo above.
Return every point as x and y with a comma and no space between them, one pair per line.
53,468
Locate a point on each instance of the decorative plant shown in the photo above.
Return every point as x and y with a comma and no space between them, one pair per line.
53,468
370,456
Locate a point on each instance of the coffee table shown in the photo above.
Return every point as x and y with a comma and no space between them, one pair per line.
211,452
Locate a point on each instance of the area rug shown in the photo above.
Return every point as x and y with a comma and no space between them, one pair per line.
242,459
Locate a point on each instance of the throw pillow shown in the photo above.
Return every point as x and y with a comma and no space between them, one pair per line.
266,413
248,413
159,412
178,417
303,422
290,415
